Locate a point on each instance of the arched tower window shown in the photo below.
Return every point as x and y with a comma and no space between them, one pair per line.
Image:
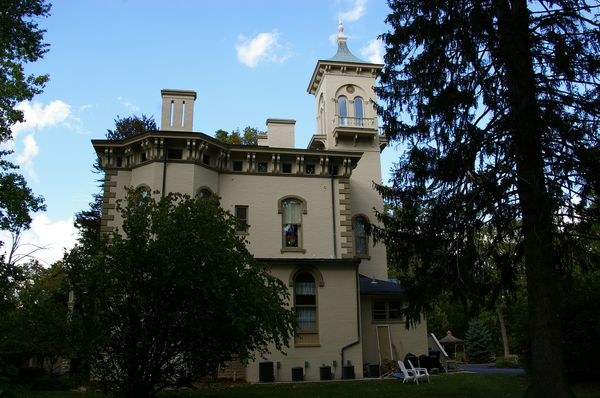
358,111
343,110
305,302
361,236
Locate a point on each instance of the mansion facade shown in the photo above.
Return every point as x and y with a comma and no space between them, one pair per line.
304,212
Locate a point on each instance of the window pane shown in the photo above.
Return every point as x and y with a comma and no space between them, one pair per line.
291,212
307,318
358,107
379,312
241,214
395,310
343,108
360,236
290,234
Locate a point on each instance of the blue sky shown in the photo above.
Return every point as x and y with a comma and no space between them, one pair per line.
247,60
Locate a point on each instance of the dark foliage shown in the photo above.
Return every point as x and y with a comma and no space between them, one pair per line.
21,42
496,104
173,296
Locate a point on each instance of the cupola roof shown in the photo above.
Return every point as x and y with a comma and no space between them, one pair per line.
343,53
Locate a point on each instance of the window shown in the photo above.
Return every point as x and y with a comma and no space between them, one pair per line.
291,217
119,161
241,222
174,153
310,169
206,159
287,168
343,110
237,165
358,111
262,167
361,238
204,193
144,157
305,302
387,310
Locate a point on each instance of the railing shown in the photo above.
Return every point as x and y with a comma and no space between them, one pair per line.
346,121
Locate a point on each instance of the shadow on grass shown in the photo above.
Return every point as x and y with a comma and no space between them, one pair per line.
442,386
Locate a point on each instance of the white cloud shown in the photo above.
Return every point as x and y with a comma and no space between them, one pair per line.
52,237
373,51
262,47
25,158
355,13
39,116
128,104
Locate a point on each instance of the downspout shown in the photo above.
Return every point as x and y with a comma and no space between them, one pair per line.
164,179
333,220
344,348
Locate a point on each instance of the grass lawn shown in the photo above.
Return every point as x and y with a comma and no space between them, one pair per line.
443,386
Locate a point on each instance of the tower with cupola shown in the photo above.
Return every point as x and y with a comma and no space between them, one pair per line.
346,117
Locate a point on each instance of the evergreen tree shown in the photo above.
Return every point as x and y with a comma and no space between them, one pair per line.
496,102
478,342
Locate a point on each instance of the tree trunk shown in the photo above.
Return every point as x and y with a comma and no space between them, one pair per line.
503,333
548,375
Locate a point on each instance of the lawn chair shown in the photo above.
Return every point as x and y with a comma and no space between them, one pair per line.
409,375
419,373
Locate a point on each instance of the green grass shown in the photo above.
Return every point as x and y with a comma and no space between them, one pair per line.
442,386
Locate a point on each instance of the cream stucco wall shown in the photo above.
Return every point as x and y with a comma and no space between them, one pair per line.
413,340
337,324
261,194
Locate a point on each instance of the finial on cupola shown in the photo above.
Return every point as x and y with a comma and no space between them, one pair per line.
341,35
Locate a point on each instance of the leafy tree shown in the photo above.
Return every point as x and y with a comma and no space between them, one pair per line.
248,137
21,42
88,221
37,326
174,295
128,127
497,106
478,342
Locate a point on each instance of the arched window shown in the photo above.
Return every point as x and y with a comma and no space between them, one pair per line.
361,236
305,302
291,215
358,111
204,193
343,110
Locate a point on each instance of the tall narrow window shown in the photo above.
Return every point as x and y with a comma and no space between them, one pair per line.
343,110
241,222
361,241
292,223
358,111
305,302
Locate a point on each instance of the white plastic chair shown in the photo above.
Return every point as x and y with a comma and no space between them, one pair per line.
409,375
419,373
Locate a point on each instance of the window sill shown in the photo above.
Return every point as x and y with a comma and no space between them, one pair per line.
293,250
